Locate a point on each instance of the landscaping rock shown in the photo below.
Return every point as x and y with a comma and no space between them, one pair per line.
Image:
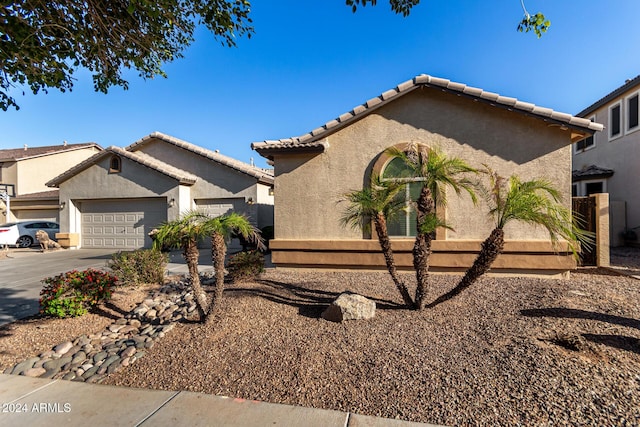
350,307
63,348
91,357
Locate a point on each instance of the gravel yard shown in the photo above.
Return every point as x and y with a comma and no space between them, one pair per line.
507,351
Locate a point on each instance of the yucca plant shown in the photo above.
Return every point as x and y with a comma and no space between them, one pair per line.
436,172
380,202
534,202
185,233
221,229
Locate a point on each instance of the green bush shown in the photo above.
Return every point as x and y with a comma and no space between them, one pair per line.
245,265
72,293
140,266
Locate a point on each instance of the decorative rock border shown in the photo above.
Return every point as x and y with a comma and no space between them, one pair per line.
89,358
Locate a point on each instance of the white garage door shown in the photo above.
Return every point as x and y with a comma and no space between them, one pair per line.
120,224
217,207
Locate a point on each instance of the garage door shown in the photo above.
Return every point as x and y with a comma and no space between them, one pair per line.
120,224
217,207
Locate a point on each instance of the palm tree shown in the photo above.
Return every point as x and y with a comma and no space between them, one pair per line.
435,172
221,229
534,202
185,233
380,202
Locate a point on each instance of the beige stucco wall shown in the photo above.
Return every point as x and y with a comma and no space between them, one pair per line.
308,187
623,157
215,180
32,174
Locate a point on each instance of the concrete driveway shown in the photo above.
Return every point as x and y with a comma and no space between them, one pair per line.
22,272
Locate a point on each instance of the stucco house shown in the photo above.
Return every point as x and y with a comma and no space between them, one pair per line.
607,162
314,171
24,173
116,197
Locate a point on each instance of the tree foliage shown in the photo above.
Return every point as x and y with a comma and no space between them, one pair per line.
43,42
379,203
535,202
436,173
537,23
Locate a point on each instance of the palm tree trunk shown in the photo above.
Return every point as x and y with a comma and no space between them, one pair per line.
385,244
422,247
491,248
191,255
218,254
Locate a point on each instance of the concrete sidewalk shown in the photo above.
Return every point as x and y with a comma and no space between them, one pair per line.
38,402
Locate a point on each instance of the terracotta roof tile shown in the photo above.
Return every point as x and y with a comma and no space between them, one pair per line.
51,194
13,154
591,172
315,141
627,86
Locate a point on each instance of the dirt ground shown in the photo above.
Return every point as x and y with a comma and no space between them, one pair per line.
507,351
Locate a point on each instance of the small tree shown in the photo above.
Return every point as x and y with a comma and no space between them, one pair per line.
534,202
185,233
436,172
220,229
380,202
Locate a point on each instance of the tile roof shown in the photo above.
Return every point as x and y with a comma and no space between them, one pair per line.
263,175
141,158
628,85
312,141
13,154
591,172
51,194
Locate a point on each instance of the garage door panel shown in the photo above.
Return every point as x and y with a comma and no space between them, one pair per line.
120,224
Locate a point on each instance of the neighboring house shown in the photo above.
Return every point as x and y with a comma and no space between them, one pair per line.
313,171
608,161
115,198
24,173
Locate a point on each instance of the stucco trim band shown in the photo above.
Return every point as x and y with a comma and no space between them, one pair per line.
529,256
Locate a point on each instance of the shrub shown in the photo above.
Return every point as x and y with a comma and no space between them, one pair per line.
72,293
245,265
140,266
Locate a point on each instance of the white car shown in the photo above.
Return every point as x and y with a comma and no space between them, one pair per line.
22,234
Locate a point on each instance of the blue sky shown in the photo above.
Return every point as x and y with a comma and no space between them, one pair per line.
308,64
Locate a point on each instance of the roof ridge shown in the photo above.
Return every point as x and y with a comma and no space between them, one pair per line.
164,168
628,85
246,168
310,139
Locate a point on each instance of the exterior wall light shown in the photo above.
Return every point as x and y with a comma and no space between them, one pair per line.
62,205
172,202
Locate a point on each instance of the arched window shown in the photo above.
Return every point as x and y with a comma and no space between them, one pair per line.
405,224
115,164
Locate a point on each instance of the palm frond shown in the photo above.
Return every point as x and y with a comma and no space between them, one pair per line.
536,202
437,171
432,222
381,197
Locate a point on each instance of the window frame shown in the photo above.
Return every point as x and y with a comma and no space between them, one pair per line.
581,186
585,147
621,124
410,232
627,120
118,168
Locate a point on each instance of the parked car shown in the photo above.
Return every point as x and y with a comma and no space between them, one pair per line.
22,234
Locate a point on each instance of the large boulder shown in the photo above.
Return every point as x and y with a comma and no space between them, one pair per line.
350,307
